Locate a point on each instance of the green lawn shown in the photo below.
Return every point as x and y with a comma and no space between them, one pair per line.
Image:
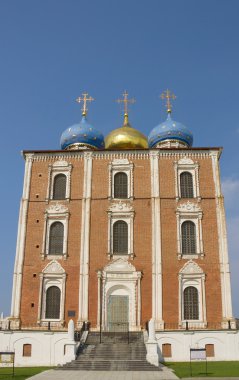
214,369
20,372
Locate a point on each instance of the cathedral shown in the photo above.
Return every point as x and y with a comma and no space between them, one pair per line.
119,230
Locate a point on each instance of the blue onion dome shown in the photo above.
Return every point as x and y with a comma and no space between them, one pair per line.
82,136
170,131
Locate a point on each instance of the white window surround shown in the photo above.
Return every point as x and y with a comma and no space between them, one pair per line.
55,213
52,275
187,165
121,211
121,166
58,167
120,277
189,212
192,275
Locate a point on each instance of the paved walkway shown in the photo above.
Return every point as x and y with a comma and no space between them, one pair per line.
165,374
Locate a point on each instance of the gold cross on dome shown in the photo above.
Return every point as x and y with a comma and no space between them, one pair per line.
84,99
126,101
167,95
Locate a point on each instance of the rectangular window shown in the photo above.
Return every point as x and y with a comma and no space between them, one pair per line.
27,350
167,350
210,350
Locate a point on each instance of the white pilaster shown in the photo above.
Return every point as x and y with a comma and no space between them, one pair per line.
157,295
21,237
222,240
85,239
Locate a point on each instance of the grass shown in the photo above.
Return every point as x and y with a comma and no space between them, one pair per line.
214,369
21,373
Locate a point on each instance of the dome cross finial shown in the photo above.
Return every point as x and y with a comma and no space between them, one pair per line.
126,101
84,99
167,95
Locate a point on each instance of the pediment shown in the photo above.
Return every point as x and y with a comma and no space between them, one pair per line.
189,207
185,161
120,207
191,268
57,209
54,268
60,163
120,265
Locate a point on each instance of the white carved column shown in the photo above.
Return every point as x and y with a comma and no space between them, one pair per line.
21,237
85,240
157,295
139,299
99,303
222,240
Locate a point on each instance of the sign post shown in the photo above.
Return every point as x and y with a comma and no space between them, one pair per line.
8,357
197,354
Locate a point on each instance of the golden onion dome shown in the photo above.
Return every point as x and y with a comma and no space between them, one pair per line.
126,137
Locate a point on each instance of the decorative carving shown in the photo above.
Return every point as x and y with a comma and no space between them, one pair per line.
54,268
185,161
191,268
57,209
122,161
119,265
121,207
60,163
189,207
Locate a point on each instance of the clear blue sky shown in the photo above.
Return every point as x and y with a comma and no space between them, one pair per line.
53,50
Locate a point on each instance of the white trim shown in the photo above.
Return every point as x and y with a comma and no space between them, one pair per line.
222,242
121,166
192,275
120,277
157,292
55,213
121,212
189,212
58,167
21,237
85,244
186,164
52,275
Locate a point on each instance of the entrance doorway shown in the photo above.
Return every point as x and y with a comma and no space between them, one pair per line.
118,313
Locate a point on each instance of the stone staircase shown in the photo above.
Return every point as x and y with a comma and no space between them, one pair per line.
113,354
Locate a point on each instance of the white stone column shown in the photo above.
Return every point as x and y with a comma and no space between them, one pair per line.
21,237
85,240
139,275
157,295
222,242
99,303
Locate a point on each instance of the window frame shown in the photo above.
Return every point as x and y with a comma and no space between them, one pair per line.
186,164
55,213
52,275
121,166
191,274
190,212
121,212
58,167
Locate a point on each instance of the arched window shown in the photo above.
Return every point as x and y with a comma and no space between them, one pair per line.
53,298
56,238
120,185
188,238
190,301
59,187
186,185
120,237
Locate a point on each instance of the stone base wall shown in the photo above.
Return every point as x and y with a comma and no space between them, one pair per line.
47,348
226,344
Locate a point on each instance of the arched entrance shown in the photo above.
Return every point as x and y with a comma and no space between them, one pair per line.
119,297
